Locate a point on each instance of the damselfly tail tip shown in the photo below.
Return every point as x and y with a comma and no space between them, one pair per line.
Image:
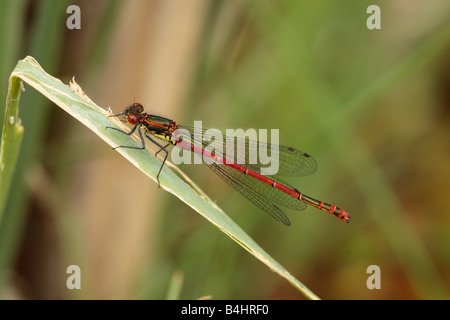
346,217
341,214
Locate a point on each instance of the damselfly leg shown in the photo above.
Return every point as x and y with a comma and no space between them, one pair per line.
142,146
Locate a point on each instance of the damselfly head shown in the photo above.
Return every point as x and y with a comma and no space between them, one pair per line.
133,113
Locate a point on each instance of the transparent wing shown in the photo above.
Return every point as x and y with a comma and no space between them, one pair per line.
246,152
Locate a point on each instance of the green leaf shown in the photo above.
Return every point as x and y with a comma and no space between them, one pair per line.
11,139
73,100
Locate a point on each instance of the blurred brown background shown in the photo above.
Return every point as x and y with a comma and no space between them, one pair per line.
371,106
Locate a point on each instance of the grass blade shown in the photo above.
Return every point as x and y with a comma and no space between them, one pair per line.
11,139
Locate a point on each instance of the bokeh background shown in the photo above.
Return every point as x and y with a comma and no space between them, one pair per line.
372,107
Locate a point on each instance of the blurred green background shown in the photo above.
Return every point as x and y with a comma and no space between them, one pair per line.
371,106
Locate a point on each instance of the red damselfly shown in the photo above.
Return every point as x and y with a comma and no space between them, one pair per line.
243,175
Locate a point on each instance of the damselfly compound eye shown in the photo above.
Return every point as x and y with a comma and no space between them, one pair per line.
132,119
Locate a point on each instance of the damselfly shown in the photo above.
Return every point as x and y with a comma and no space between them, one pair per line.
266,193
